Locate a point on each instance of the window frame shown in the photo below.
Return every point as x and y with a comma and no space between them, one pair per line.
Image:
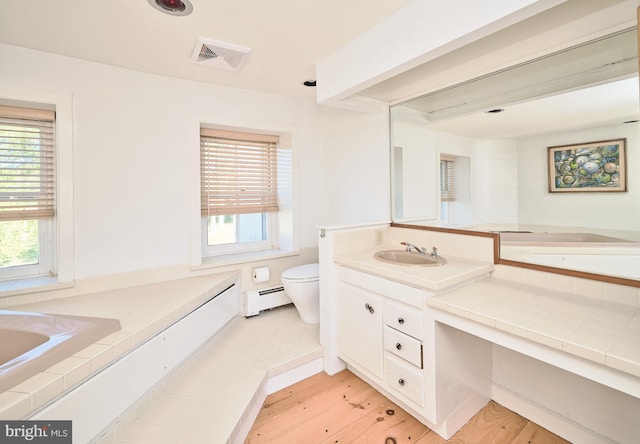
240,247
46,265
60,245
285,230
447,186
271,217
44,216
447,178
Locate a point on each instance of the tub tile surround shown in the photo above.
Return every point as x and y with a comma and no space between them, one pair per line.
142,310
215,395
212,397
27,292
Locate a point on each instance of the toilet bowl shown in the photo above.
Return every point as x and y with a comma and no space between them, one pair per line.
301,284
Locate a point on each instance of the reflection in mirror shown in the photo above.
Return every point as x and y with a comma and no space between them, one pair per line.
584,94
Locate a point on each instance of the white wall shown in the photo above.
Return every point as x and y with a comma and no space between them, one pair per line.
133,189
493,180
494,190
420,165
355,173
613,211
509,181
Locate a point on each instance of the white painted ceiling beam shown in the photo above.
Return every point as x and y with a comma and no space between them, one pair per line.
422,31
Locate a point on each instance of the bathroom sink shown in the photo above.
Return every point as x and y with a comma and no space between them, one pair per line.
403,257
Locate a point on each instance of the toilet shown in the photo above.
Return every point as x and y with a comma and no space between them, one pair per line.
301,284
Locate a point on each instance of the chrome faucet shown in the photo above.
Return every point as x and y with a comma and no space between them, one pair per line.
410,247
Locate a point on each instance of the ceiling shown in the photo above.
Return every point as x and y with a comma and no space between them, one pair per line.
601,105
286,37
589,85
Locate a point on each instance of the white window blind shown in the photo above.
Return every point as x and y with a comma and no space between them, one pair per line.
238,172
447,179
27,163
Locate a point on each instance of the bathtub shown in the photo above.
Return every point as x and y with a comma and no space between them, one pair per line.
32,342
588,252
563,239
622,265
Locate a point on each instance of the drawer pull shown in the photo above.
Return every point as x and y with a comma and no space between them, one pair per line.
401,381
369,307
400,320
398,346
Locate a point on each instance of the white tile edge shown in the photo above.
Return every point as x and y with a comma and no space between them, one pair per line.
269,386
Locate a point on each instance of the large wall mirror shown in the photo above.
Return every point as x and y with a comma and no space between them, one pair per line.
475,156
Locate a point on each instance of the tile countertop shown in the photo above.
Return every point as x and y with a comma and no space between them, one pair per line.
604,332
143,311
455,271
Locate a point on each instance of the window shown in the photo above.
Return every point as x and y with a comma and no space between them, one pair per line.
27,192
239,191
447,179
447,187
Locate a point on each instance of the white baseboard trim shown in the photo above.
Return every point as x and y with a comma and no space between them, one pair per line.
294,375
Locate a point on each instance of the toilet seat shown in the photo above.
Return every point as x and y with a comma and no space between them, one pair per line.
302,273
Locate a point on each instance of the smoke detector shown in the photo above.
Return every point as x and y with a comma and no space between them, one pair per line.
173,7
219,55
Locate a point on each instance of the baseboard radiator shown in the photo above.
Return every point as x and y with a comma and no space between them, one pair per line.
264,299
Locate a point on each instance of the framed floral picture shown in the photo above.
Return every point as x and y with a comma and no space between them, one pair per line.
588,167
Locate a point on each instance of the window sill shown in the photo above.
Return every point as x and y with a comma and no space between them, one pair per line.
17,287
241,258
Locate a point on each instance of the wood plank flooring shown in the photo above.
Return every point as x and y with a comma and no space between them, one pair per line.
344,409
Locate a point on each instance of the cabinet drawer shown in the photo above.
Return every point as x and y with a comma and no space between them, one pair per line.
408,348
405,379
405,319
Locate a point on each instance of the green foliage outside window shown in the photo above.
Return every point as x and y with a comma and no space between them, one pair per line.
18,243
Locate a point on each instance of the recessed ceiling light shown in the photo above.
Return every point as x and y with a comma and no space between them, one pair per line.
173,7
309,83
494,111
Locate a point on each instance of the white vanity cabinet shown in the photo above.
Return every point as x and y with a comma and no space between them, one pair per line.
387,336
381,332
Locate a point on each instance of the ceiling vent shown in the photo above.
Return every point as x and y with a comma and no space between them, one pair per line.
219,55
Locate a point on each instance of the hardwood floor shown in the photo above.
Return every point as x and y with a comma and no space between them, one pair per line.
344,409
